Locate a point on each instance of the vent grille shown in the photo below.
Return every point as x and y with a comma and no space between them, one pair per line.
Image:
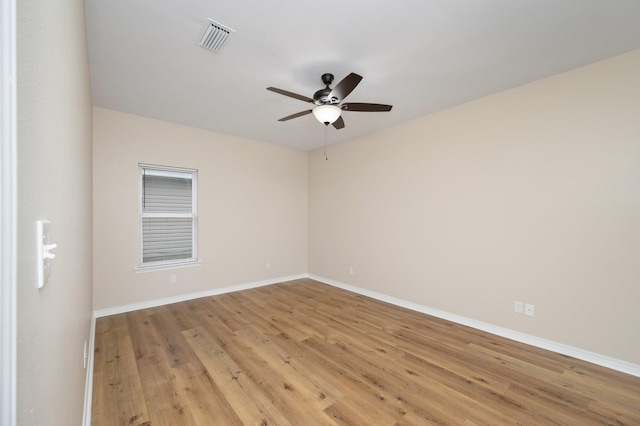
215,36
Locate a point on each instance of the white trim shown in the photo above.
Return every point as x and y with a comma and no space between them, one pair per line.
594,358
8,214
163,267
183,297
176,171
88,387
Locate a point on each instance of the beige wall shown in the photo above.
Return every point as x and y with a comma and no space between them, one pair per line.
54,183
532,194
252,208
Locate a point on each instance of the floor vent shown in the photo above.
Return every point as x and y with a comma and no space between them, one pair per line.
215,36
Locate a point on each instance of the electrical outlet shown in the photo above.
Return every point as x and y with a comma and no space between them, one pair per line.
267,265
529,310
351,270
518,308
174,278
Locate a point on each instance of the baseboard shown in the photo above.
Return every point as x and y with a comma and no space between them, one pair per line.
594,358
88,387
190,296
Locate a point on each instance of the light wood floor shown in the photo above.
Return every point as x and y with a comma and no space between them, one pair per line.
304,353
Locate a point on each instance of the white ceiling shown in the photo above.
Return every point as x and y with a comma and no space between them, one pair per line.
421,56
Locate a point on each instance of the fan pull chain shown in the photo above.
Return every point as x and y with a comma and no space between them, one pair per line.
326,131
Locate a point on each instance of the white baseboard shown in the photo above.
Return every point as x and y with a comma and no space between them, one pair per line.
88,387
594,358
190,296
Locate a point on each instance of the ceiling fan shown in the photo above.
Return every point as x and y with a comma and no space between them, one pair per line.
328,109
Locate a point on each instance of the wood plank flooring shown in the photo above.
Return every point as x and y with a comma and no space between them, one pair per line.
304,353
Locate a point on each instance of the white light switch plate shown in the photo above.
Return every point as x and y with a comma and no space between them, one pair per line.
518,308
44,247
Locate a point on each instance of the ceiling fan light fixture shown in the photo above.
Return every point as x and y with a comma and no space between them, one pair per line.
327,114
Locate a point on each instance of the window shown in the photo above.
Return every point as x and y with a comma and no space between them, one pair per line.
167,216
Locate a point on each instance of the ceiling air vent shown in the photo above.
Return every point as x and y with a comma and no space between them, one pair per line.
215,36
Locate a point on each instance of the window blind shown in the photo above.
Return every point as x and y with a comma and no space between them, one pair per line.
167,216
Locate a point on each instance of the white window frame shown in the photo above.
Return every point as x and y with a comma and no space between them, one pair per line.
167,264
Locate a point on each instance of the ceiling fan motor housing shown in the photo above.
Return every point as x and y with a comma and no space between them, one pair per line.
321,97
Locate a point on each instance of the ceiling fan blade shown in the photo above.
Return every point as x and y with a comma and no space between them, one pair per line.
339,123
290,94
346,86
296,115
356,106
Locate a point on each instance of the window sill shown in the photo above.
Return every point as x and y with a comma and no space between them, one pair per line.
154,268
